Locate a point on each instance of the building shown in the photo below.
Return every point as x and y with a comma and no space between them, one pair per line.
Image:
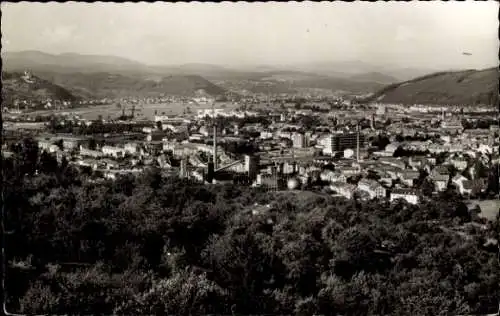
131,148
372,188
252,166
381,110
440,181
459,163
268,181
71,143
408,195
409,177
344,189
184,168
161,118
393,162
85,152
112,151
341,141
47,146
298,140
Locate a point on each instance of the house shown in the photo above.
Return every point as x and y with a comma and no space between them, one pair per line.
421,162
408,195
440,181
473,187
112,151
409,177
48,146
393,162
390,172
332,176
131,148
345,189
372,187
44,144
70,143
459,163
458,181
391,148
90,153
350,171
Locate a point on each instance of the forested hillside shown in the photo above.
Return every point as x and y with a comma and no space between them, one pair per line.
149,245
105,85
15,86
469,87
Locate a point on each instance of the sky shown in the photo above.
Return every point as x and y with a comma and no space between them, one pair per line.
412,34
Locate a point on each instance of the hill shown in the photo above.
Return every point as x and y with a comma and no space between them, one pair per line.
374,77
104,84
291,81
16,86
121,76
37,61
453,88
350,69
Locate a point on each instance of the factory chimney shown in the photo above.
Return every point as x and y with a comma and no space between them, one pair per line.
357,142
214,157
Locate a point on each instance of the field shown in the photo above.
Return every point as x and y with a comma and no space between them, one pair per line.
489,208
144,111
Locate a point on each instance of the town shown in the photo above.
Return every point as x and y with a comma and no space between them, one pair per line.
367,151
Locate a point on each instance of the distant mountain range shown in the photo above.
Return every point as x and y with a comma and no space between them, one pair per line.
354,68
95,75
110,76
15,86
469,87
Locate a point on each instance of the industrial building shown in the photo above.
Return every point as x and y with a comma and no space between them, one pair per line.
341,141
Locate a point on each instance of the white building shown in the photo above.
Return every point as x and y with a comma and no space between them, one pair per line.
112,151
298,140
372,188
131,148
405,194
161,118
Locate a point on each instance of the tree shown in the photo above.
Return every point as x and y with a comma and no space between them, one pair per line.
92,143
159,125
184,293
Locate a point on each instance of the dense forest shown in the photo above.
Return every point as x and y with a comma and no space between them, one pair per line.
153,245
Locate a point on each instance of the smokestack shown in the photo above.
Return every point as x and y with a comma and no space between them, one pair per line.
214,158
210,172
357,143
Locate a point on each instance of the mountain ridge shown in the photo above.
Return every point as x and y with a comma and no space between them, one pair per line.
446,87
76,62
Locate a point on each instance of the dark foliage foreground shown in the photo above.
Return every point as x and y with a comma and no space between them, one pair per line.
159,246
